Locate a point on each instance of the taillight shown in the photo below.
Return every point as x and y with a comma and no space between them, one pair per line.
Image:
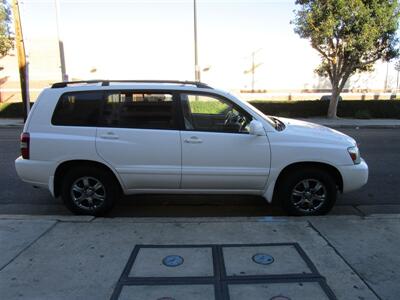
25,145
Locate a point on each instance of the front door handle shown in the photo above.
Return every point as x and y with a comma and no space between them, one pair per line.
109,136
193,140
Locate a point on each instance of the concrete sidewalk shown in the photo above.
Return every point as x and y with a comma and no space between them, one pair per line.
72,257
336,123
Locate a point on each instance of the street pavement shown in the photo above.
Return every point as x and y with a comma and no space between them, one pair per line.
333,257
380,148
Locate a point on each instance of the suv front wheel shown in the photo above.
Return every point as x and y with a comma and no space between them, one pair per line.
89,191
307,192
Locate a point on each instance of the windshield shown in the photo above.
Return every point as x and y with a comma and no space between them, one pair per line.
269,119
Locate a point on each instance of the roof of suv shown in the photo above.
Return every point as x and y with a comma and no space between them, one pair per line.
158,83
59,88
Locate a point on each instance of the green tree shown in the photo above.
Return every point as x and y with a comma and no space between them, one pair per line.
6,40
349,35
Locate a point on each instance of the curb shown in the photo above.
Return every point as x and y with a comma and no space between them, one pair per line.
266,219
60,218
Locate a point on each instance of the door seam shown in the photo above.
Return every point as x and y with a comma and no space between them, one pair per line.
181,177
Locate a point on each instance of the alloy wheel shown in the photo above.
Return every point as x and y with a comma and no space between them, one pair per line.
309,195
88,193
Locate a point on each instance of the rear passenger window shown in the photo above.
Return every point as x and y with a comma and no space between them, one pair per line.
128,109
78,109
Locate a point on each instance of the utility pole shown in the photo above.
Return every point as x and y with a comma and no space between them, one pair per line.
397,82
254,66
387,77
22,65
64,76
397,68
196,60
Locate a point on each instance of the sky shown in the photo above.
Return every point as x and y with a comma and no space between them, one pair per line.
138,39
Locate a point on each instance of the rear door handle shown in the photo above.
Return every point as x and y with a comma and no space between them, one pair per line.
193,140
109,136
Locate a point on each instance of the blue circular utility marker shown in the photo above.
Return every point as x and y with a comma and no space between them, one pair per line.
262,259
172,260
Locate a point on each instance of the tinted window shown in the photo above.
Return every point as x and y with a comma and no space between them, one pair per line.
78,109
127,109
208,113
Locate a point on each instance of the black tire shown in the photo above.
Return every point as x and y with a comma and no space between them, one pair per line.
109,191
289,197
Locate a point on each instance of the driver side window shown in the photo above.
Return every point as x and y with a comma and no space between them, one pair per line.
208,113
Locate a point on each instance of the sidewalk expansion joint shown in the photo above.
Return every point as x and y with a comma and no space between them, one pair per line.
344,259
362,214
30,244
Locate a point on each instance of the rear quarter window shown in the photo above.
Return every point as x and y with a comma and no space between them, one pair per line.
78,109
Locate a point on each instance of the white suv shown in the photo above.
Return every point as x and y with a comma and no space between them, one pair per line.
90,141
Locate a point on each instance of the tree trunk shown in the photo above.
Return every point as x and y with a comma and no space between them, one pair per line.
332,110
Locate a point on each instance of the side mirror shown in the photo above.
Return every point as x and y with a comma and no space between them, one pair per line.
256,128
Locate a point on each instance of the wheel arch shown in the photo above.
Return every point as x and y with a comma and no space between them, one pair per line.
333,171
65,166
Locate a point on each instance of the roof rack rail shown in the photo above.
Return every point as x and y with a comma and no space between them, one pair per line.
107,82
66,83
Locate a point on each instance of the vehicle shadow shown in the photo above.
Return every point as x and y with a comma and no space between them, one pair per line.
152,205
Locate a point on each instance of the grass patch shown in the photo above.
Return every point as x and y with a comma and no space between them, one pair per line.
207,107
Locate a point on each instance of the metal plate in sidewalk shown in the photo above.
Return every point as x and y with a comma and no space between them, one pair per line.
221,272
173,262
286,259
263,259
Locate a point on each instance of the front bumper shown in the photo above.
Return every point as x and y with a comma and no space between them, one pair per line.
354,176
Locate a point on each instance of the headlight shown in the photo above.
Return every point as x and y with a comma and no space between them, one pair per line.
354,154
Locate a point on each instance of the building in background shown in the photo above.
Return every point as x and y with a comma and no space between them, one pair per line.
43,68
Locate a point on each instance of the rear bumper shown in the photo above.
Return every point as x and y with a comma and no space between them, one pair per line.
354,176
34,172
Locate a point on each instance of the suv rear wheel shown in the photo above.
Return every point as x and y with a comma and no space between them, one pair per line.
89,191
307,192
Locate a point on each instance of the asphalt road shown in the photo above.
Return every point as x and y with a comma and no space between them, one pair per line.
379,147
